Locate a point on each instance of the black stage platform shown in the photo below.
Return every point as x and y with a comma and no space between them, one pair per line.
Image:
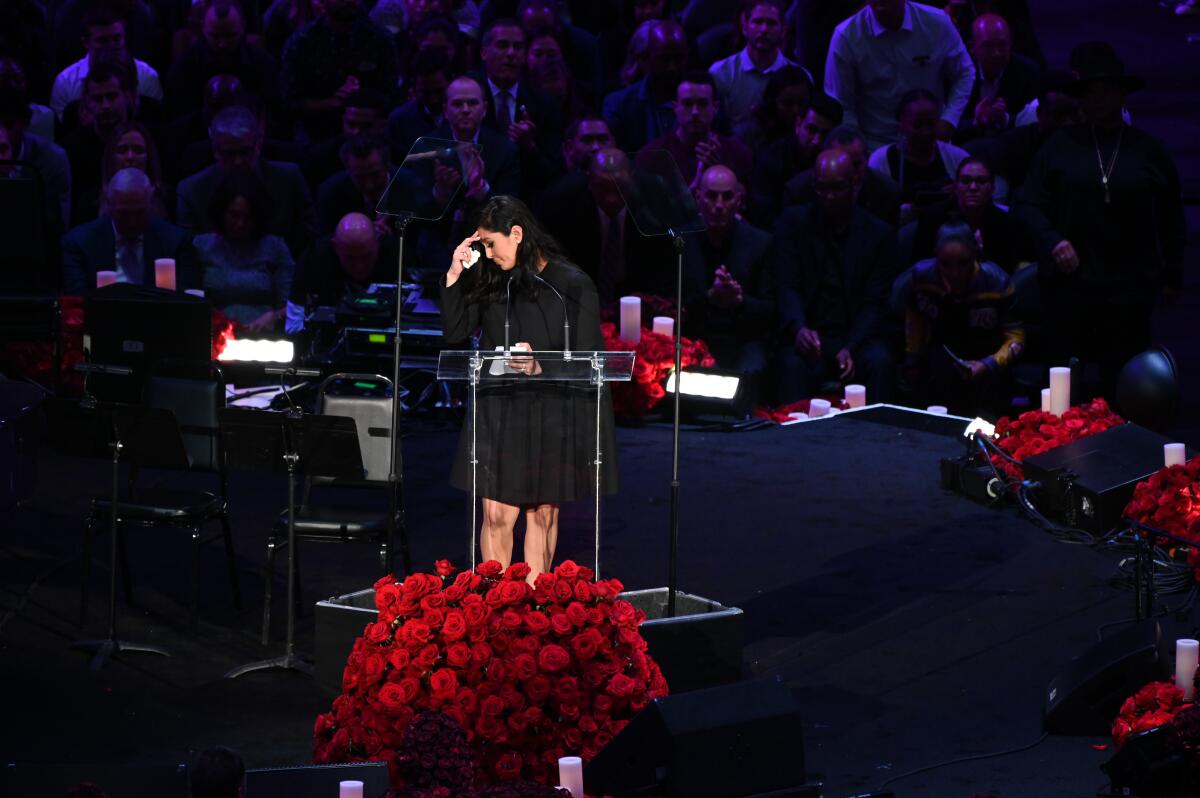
915,625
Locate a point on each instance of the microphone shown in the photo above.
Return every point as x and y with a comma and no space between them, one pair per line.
566,321
507,309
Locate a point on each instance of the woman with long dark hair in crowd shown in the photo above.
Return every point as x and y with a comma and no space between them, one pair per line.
535,440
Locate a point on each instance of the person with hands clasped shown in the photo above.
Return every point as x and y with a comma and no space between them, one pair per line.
535,440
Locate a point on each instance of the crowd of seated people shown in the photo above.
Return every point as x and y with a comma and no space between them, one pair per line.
882,182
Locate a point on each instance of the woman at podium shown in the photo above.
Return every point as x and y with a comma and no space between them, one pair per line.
535,439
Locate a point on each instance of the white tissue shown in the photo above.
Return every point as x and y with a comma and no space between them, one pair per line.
474,259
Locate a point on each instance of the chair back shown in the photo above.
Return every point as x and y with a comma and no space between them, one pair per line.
196,404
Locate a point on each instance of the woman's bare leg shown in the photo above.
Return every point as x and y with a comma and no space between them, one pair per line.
541,538
496,539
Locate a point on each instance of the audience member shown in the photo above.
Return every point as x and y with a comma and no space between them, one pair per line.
578,48
693,144
245,271
218,773
586,136
587,215
835,263
888,49
237,139
725,275
50,161
104,38
920,164
961,330
553,78
364,114
781,161
358,187
643,110
14,76
999,237
283,18
130,145
142,35
109,100
127,239
786,97
332,57
489,164
1005,82
223,50
425,109
874,192
742,77
340,267
1102,200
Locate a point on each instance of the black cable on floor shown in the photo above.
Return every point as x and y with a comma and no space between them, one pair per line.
972,758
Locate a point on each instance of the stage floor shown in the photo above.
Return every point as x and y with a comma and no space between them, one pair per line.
915,625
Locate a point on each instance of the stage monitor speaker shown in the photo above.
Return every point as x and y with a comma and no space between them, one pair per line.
368,403
1086,697
117,781
733,741
316,781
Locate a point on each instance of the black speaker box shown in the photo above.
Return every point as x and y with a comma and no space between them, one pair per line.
1085,698
316,781
118,781
733,741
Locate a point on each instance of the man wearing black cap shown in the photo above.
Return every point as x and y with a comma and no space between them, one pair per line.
1102,200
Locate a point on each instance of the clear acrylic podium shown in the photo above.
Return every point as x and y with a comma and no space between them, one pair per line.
501,375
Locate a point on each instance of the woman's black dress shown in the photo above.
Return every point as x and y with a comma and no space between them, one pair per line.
536,439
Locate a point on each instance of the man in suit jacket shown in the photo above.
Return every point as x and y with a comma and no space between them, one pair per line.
127,240
835,265
358,187
422,114
517,110
47,157
874,192
587,216
237,145
644,110
779,161
725,268
1005,81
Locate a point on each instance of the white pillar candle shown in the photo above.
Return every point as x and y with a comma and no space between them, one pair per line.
1187,654
1060,390
856,395
105,278
1045,400
937,410
818,408
1174,454
350,789
664,325
164,273
570,774
631,319
195,292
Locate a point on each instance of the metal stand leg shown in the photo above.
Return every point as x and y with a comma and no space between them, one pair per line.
598,374
111,646
290,660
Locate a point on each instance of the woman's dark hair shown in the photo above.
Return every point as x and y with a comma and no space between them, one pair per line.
764,112
499,215
248,186
974,161
914,96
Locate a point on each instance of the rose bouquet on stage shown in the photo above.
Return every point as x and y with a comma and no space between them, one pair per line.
531,673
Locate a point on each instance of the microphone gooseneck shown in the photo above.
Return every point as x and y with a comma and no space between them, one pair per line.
566,320
507,310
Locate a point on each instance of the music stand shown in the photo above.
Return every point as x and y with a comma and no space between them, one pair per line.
417,191
661,204
263,440
147,437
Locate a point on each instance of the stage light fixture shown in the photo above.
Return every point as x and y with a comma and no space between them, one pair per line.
980,425
248,350
711,391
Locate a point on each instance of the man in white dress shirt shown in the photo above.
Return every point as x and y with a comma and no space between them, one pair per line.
104,37
891,47
742,77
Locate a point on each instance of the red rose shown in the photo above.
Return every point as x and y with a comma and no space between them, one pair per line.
373,667
490,569
561,624
458,655
517,572
583,592
623,614
443,568
475,612
427,657
576,613
602,705
511,619
553,658
481,654
525,667
454,627
435,618
386,595
443,683
414,633
537,689
567,570
621,686
493,705
562,592
537,623
513,592
467,700
434,601
378,632
586,644
566,690
487,727
507,767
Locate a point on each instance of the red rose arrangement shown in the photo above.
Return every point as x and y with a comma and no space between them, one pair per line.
1035,432
655,360
1169,501
222,332
1154,705
530,673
